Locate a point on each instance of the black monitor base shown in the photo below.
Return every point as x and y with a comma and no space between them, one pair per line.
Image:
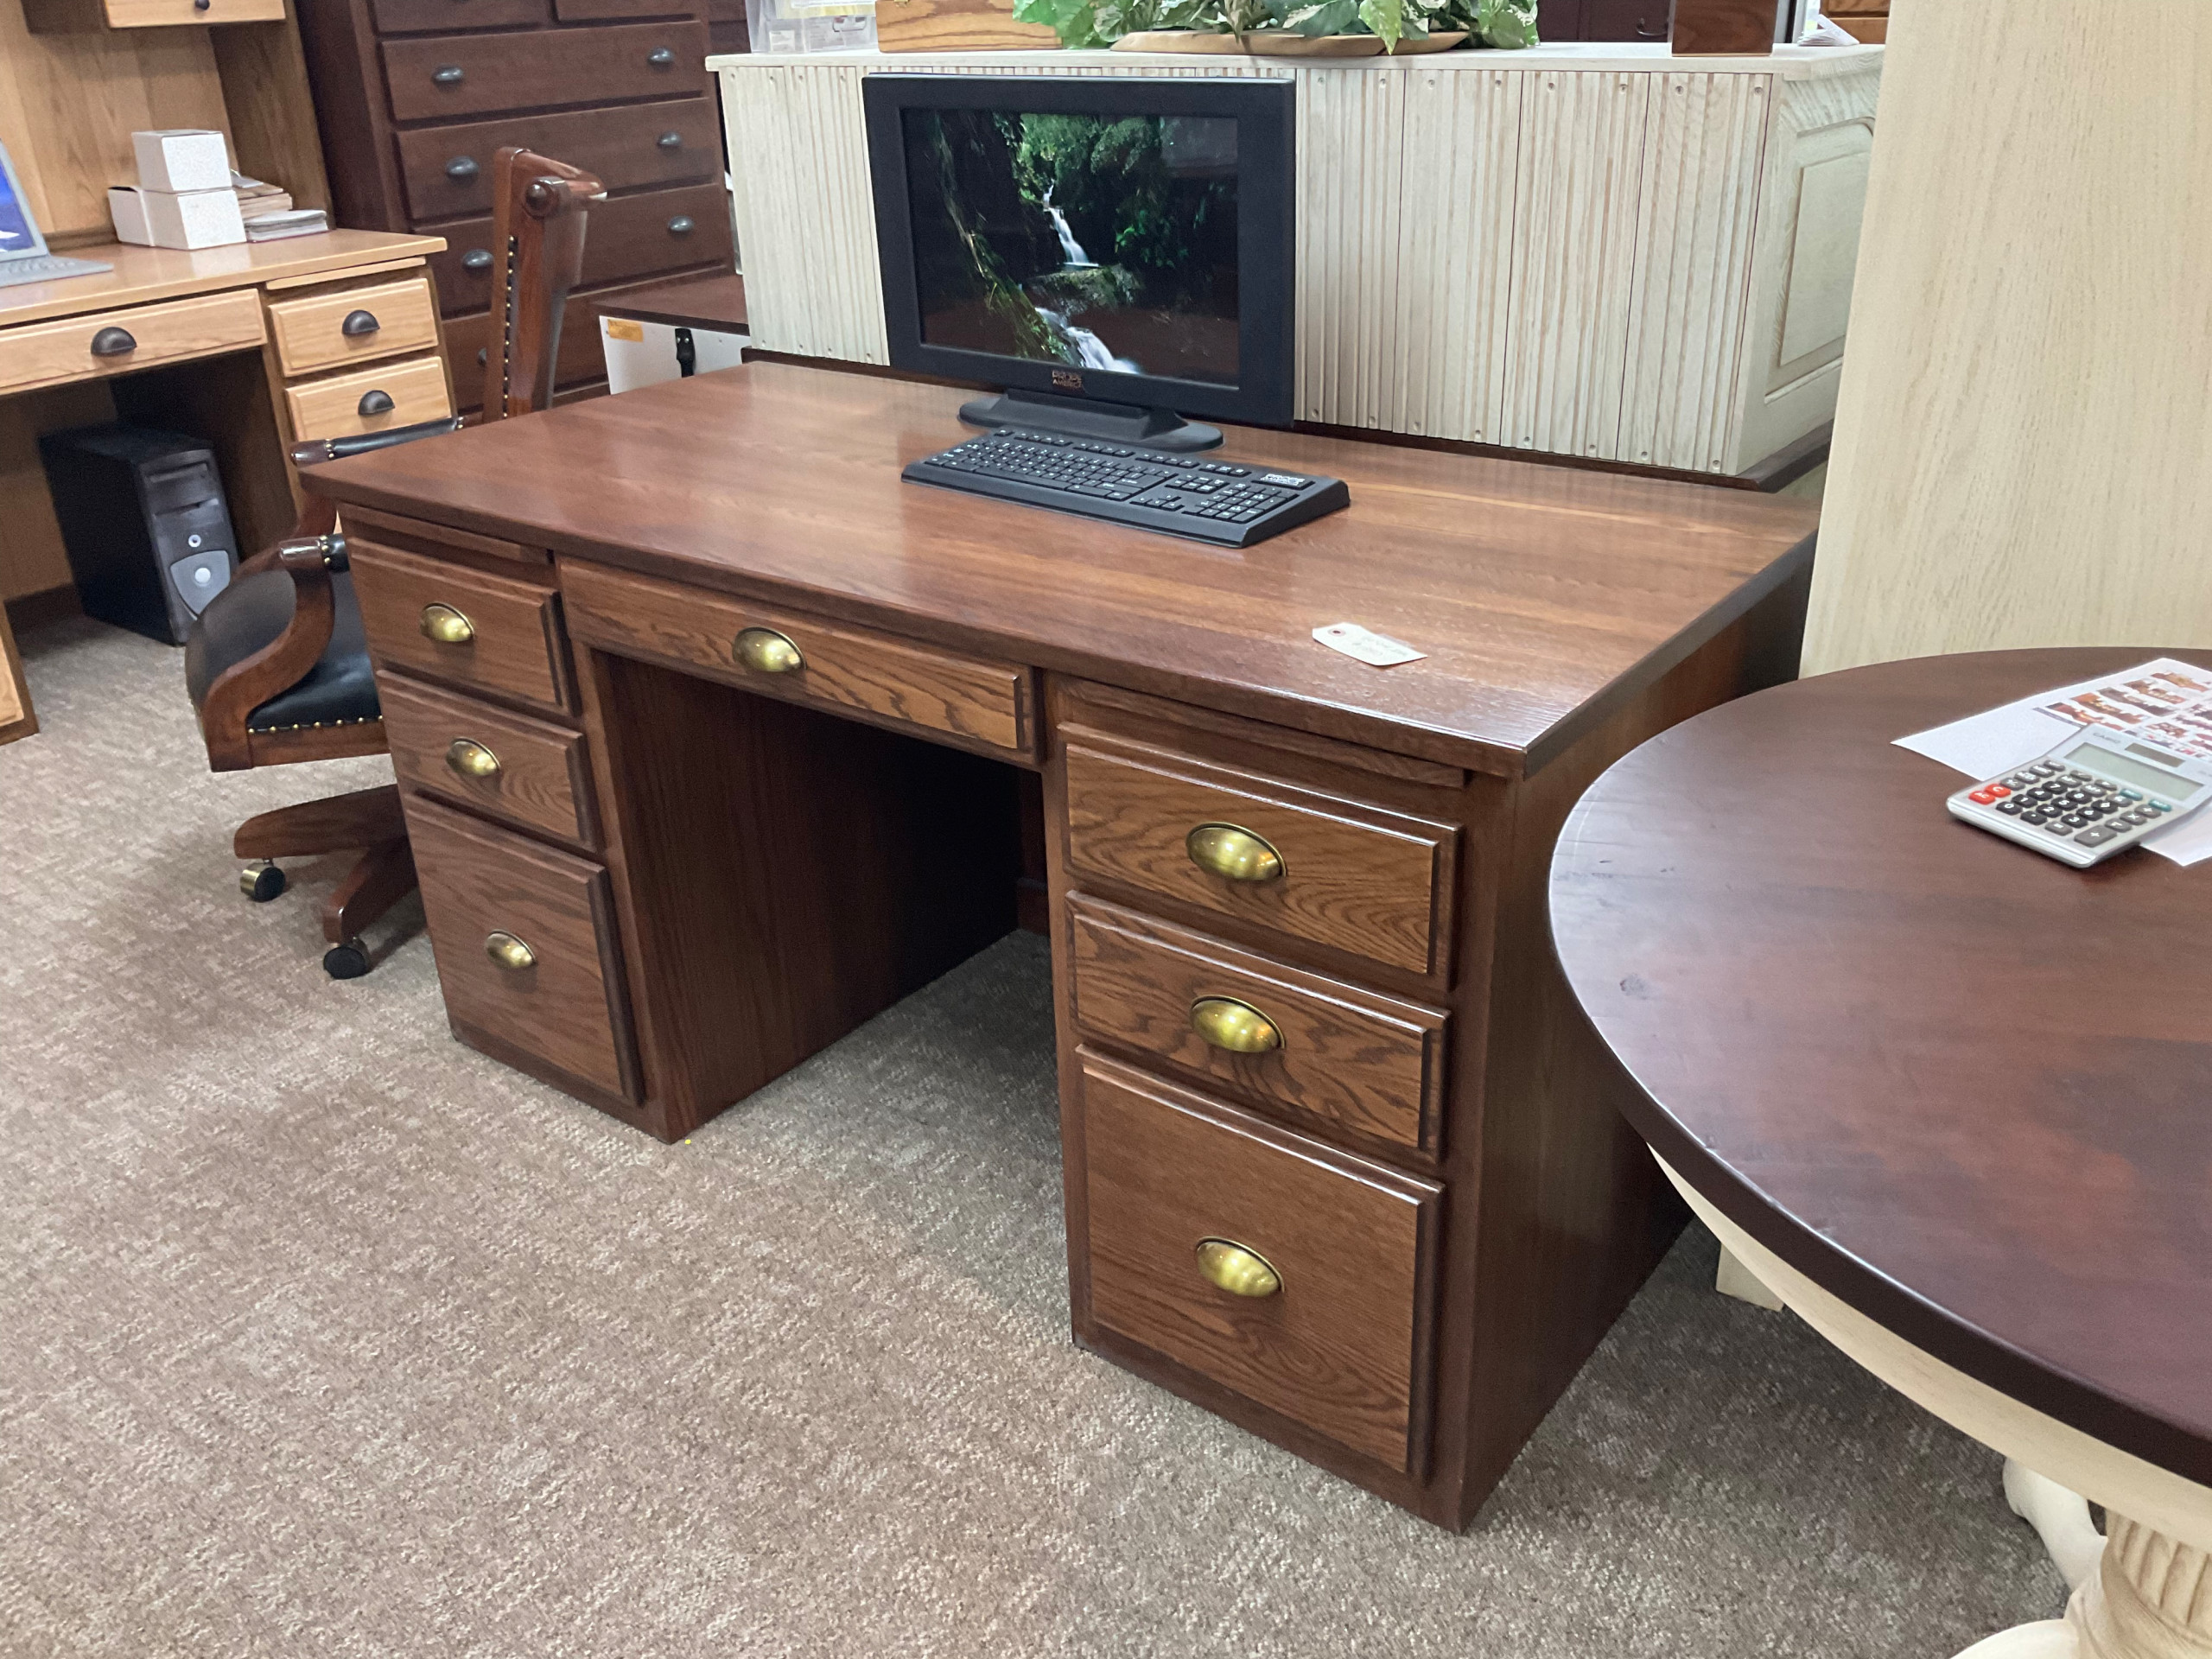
1085,417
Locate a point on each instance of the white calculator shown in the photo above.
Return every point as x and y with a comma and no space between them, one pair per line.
2096,794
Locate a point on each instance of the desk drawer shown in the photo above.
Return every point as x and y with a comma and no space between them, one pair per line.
345,404
455,76
49,354
970,701
507,764
1342,1344
448,170
630,235
465,626
325,331
556,993
1271,1034
1354,877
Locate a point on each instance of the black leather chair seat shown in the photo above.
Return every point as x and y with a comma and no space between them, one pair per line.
249,614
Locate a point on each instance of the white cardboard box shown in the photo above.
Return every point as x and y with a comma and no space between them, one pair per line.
170,219
180,159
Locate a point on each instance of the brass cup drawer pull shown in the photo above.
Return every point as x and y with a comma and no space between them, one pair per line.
766,651
446,626
1231,1267
1234,1026
509,952
1233,853
470,759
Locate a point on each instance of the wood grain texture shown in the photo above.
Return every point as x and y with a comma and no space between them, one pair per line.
630,237
142,275
447,17
331,407
309,333
958,26
1358,1063
982,705
567,1008
263,73
438,541
2046,1235
520,72
517,650
2019,454
620,147
1340,1347
1542,594
45,354
17,719
544,780
1361,879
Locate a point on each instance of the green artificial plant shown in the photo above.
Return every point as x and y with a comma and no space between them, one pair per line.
1504,24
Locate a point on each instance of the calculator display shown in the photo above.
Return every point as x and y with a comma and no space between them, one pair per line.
2157,779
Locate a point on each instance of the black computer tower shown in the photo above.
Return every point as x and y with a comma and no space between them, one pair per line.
144,518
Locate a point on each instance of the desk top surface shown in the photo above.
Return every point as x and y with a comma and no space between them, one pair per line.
142,275
716,303
1542,593
1960,1085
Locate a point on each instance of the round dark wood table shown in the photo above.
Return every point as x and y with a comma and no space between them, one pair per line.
1949,1099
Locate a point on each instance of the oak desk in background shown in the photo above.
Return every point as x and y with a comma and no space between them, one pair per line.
715,738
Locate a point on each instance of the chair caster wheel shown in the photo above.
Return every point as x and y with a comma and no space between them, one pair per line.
346,961
261,881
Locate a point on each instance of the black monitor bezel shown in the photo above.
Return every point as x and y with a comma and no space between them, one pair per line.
1265,111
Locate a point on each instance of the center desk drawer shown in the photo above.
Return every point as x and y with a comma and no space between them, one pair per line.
1339,873
1339,1340
326,331
970,701
525,771
116,342
524,938
465,626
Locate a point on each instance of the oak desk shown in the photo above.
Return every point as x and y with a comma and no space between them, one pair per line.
715,738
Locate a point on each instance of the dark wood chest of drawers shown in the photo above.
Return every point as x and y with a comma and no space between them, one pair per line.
417,97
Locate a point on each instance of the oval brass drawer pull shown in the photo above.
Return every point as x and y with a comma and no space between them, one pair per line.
1233,853
1237,1027
470,759
510,953
446,626
1240,1272
766,651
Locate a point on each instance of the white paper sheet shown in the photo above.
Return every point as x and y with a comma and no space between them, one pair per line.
1983,745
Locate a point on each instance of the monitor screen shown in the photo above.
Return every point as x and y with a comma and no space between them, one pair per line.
16,232
1096,241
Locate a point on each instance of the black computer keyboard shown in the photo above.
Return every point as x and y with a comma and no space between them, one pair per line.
1183,495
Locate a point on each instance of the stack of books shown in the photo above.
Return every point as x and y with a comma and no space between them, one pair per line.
268,212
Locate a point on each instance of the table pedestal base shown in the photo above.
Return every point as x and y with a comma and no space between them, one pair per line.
2142,1596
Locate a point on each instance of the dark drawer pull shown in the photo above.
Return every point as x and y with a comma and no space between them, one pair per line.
1644,32
113,342
374,403
358,323
461,168
447,74
660,57
680,225
670,140
476,259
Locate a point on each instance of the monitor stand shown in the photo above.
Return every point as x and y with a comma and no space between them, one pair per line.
1087,417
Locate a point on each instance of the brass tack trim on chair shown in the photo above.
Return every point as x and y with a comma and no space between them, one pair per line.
469,759
509,952
766,651
1238,1268
1235,1026
1233,853
446,626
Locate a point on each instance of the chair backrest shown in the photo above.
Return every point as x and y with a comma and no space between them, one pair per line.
538,209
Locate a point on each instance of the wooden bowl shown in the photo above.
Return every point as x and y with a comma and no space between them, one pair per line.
1281,43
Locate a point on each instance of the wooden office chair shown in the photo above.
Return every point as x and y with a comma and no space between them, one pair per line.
277,666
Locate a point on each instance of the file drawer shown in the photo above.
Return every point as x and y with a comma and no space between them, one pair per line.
525,771
136,337
458,75
525,942
374,399
465,626
1320,868
1272,1034
1182,1195
327,331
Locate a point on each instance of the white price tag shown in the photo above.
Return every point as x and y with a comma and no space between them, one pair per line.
1366,645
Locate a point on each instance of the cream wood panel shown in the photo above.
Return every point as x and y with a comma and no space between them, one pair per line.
331,407
310,333
2024,444
49,354
169,14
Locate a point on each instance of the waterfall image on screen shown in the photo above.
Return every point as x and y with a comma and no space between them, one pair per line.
1100,242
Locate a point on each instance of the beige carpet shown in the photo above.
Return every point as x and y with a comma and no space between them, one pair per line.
322,1335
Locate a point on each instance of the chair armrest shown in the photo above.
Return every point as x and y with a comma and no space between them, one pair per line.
313,454
282,662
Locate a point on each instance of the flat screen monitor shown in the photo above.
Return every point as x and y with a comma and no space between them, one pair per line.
1126,240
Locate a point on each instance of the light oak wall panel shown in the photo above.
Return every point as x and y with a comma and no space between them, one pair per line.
1350,224
2023,443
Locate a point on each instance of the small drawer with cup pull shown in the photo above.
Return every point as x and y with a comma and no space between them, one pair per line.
440,77
372,399
1300,1276
527,947
1350,1058
116,342
473,628
327,331
525,771
969,701
1338,873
